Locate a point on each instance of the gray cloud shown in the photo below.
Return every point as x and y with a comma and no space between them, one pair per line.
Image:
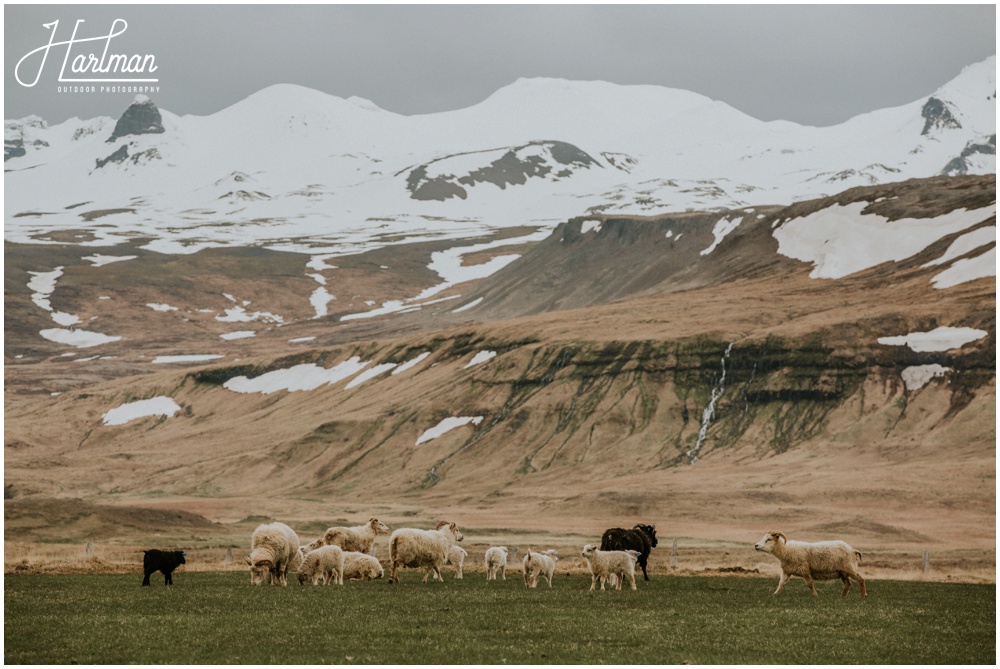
817,65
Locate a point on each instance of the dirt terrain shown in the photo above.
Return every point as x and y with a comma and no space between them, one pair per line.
592,410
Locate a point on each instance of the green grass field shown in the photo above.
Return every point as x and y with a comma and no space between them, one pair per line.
219,618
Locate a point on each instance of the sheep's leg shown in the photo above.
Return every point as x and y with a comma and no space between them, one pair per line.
593,581
631,578
340,577
392,574
503,572
812,585
642,563
145,577
550,579
857,577
167,578
781,582
847,584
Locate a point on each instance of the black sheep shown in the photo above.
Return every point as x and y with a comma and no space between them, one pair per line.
641,538
162,561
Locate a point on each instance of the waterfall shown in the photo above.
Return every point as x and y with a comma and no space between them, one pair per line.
708,415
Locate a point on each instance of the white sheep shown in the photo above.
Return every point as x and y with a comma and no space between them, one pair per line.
326,562
360,538
535,564
813,561
605,564
273,547
409,547
613,579
456,557
496,560
312,545
361,566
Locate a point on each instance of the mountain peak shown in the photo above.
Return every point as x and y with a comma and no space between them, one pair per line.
141,118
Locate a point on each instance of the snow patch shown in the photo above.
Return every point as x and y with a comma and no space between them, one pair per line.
77,338
967,269
157,406
99,260
476,302
410,364
300,377
480,358
918,376
446,425
239,334
938,339
721,229
840,241
369,374
587,226
160,307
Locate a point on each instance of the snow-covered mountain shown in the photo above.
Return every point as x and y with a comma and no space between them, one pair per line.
293,168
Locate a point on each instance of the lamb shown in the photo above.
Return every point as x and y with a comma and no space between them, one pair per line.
535,564
641,538
496,560
604,564
360,538
165,562
326,562
820,560
456,556
313,545
361,566
410,547
273,547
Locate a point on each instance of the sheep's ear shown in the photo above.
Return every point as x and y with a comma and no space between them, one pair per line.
248,561
778,536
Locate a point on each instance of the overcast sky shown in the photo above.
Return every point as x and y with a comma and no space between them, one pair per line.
816,65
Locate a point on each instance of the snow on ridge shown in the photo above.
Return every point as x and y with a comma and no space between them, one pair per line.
369,374
918,376
587,226
447,425
410,364
156,406
840,240
476,302
721,229
480,358
239,334
300,377
939,339
77,338
968,269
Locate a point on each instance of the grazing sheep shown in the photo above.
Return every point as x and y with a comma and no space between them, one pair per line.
313,545
536,564
361,566
641,538
326,562
272,549
165,562
360,538
820,561
605,564
410,547
496,560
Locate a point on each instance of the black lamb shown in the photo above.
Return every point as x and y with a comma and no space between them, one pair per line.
641,538
162,561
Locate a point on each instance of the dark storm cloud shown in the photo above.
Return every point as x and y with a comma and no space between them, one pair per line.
817,65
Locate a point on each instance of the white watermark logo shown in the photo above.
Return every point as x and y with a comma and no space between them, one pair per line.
89,67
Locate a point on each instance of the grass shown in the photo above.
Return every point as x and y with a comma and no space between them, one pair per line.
218,618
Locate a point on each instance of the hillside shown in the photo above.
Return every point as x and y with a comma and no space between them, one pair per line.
711,377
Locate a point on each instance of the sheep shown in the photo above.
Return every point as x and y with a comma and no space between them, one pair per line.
272,548
613,579
456,556
820,561
496,560
536,564
641,538
361,566
165,562
603,564
410,547
313,545
326,562
360,538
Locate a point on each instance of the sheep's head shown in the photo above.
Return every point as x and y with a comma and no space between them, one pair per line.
379,526
260,571
769,542
649,530
450,528
303,577
588,551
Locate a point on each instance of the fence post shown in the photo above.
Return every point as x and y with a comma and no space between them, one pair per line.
927,563
229,555
90,548
673,554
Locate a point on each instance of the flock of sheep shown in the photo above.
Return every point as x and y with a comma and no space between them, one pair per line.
348,553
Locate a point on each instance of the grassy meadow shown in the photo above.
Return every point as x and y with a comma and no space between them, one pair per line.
217,617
